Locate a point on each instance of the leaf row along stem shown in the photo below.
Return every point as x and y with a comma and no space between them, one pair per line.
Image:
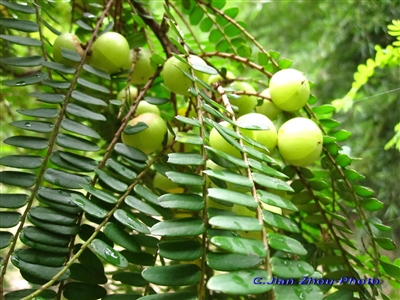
239,59
248,35
360,211
51,140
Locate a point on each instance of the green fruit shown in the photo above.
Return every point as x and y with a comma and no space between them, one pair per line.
67,41
268,108
143,68
165,184
289,89
266,137
219,143
146,107
110,53
150,139
128,97
215,78
245,103
300,142
175,80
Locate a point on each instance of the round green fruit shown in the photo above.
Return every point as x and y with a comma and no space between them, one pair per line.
268,108
165,184
267,137
175,80
128,96
245,103
289,89
110,53
143,68
300,142
150,139
215,78
67,41
146,107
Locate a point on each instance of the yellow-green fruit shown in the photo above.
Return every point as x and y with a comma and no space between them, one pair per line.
150,139
268,108
182,112
266,137
110,52
289,89
146,107
219,143
143,68
165,184
245,103
128,97
67,41
175,80
300,142
215,78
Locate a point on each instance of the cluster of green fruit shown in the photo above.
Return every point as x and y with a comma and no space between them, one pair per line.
110,53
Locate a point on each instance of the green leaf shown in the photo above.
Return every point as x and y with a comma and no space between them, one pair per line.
371,204
84,98
323,109
175,275
96,72
182,201
140,126
79,128
129,152
22,161
298,292
271,182
189,121
82,112
341,135
318,185
185,159
41,258
40,112
275,200
93,86
241,282
64,179
156,101
100,194
21,25
17,295
343,160
236,223
231,261
5,239
15,178
279,221
142,206
84,274
25,41
240,245
146,194
179,227
185,179
36,126
130,221
13,200
130,278
171,296
26,9
39,271
53,216
88,206
231,177
80,290
46,237
188,138
9,219
215,35
340,294
180,249
107,253
391,269
48,98
27,80
363,191
25,61
385,243
196,15
287,268
57,84
73,142
110,181
260,166
206,24
229,158
286,244
121,237
58,67
82,163
38,245
232,197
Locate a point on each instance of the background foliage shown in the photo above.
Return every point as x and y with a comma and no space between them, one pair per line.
79,205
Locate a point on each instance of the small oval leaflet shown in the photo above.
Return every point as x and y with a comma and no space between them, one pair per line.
108,253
